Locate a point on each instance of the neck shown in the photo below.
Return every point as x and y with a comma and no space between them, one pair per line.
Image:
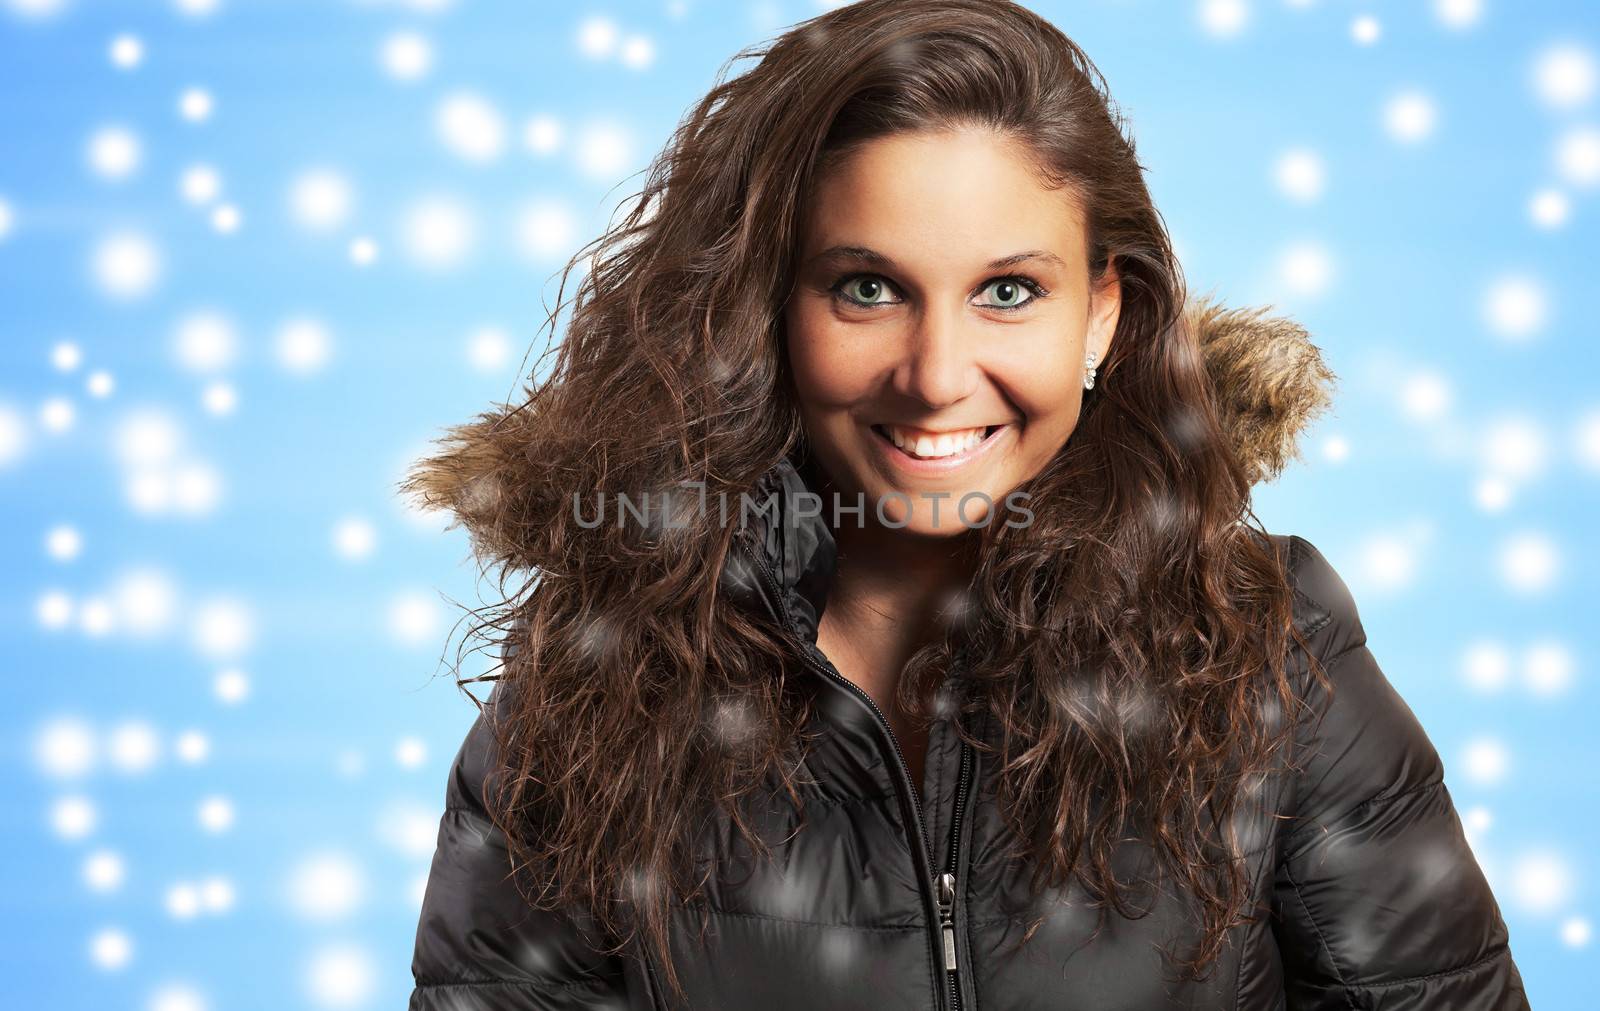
894,584
885,602
886,597
890,587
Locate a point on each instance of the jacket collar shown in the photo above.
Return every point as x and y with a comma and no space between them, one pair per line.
783,554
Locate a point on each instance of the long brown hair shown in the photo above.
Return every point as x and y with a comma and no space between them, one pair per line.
1127,642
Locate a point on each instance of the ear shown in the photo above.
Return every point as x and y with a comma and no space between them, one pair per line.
1105,305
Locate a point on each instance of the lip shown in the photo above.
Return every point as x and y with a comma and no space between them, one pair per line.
896,458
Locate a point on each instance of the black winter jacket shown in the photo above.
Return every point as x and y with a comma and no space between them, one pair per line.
888,900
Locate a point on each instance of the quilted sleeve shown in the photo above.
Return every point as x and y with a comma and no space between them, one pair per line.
1378,901
480,946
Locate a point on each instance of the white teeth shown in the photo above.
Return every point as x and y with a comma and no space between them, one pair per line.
933,447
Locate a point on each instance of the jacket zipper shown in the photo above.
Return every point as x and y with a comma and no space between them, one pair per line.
947,882
923,847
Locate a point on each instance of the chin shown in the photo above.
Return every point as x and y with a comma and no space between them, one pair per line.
983,508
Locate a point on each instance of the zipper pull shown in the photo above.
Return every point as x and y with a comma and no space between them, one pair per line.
947,922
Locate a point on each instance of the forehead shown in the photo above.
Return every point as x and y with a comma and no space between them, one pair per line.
933,197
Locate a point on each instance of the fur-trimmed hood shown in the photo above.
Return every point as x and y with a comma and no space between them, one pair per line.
1270,382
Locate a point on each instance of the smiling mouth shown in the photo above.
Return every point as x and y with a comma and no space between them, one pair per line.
951,452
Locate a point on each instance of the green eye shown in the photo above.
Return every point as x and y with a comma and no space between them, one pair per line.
864,289
1010,293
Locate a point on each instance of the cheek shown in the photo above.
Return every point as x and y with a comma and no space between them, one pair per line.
1050,398
1042,383
830,369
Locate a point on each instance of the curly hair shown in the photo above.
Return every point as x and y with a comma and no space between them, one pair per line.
1128,643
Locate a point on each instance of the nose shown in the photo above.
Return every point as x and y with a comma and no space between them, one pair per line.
939,365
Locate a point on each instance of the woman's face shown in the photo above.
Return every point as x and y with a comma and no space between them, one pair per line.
941,291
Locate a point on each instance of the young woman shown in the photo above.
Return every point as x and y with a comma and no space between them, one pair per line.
1000,703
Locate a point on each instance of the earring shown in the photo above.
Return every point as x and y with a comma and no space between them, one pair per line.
1088,377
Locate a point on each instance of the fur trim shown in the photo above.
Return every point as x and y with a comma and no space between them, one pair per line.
1269,380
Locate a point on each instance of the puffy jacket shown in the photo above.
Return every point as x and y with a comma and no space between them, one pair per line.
892,899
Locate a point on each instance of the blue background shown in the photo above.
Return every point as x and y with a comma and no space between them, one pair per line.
172,846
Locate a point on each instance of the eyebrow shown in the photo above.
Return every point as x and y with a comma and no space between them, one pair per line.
878,259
